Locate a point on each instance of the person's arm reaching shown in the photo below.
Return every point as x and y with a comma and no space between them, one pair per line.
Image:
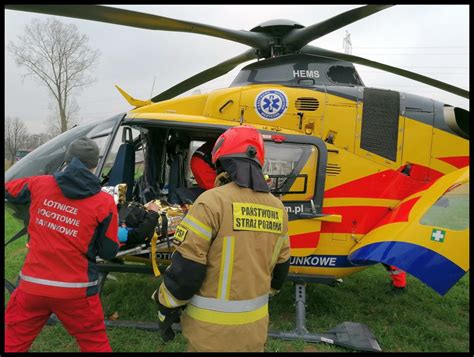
281,261
107,234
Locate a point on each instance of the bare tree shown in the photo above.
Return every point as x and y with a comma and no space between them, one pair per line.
15,136
59,57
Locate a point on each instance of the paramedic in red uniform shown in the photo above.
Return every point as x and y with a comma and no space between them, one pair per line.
71,221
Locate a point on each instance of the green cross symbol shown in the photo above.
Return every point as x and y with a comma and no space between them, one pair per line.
438,235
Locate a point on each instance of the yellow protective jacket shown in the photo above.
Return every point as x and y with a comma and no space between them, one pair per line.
238,237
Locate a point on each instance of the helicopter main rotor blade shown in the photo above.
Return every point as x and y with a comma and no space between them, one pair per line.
401,72
205,76
300,37
145,21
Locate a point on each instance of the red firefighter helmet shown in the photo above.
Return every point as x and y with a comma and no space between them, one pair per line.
240,141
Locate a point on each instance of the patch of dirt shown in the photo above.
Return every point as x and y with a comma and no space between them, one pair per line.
310,348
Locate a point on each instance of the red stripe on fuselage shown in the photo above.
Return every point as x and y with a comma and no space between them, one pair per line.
399,214
388,184
305,240
456,161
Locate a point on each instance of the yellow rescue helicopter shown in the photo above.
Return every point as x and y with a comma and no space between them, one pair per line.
366,175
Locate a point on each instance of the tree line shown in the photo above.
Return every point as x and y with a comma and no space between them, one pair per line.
18,138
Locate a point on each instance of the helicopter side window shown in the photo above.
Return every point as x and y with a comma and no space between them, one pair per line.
451,210
343,75
189,177
291,168
112,158
101,142
109,161
140,161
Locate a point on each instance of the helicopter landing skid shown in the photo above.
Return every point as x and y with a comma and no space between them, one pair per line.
351,335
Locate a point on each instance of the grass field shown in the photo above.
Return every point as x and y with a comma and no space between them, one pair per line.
416,321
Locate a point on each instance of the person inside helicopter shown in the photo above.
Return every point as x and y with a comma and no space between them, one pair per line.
203,171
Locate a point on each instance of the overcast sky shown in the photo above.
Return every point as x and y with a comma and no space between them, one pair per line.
432,40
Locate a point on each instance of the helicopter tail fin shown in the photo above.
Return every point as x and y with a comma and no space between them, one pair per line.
135,102
426,235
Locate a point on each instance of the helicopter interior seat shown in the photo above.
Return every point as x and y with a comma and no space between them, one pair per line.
143,192
176,177
123,170
177,150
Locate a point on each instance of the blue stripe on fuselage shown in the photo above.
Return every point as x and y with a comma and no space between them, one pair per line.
430,267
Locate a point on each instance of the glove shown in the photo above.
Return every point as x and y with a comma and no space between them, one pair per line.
273,292
123,234
145,229
166,318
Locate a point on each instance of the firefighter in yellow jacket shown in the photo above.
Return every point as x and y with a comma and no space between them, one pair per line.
233,253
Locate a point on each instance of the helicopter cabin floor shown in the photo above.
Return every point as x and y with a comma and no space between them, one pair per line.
417,321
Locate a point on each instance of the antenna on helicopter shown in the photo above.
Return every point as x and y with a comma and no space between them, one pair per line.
347,44
153,86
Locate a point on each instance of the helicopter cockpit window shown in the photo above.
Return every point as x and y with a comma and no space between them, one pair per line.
50,156
281,73
100,134
451,210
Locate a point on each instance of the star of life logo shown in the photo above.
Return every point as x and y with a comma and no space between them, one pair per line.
271,104
438,235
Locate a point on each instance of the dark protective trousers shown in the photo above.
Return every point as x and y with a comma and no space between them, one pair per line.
27,314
